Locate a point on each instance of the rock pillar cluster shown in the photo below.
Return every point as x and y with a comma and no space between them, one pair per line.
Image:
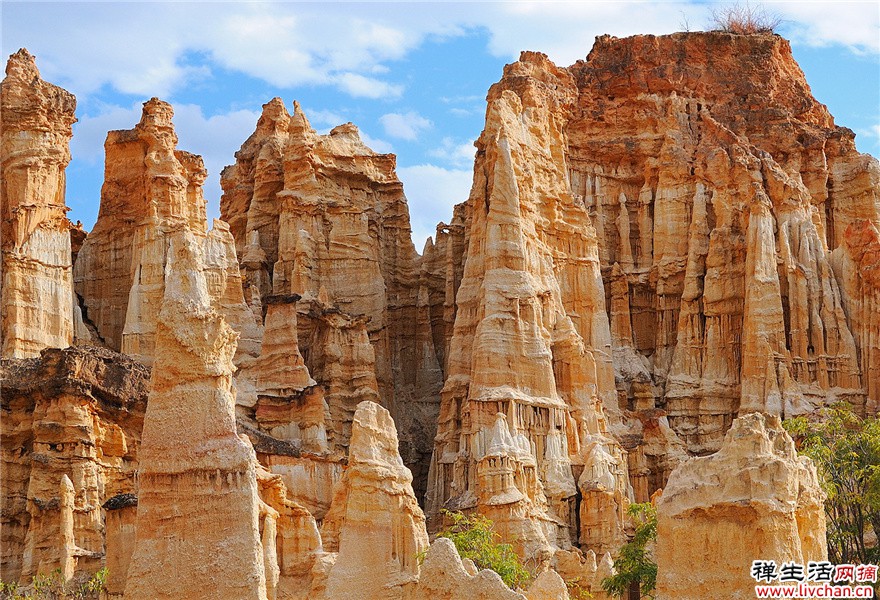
325,217
529,372
151,191
198,505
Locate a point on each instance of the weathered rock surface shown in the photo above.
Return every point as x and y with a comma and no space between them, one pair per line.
324,217
151,191
445,576
719,186
755,483
198,511
529,364
660,238
36,286
75,413
375,523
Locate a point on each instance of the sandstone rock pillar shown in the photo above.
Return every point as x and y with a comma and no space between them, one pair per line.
755,499
36,286
198,506
375,522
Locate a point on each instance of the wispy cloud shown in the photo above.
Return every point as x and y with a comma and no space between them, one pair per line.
145,48
435,190
459,154
405,126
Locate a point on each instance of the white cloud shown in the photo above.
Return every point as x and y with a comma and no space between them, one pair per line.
852,24
147,48
432,191
455,153
360,86
375,144
405,126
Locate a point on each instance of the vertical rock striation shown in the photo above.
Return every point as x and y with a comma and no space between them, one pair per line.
529,364
75,413
198,505
720,188
324,217
36,288
151,191
375,523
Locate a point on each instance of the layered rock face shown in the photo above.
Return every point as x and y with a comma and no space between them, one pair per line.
152,190
375,523
324,217
756,483
658,239
529,364
36,289
719,188
76,414
198,510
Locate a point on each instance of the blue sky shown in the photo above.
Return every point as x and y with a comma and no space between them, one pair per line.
412,75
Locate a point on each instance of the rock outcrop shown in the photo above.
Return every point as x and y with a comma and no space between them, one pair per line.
375,523
667,247
36,286
529,374
720,187
324,217
151,191
75,413
756,482
198,510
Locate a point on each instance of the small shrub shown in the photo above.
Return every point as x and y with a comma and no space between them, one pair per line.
743,19
52,586
576,592
635,565
475,539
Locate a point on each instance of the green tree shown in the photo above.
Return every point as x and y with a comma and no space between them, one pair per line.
475,539
846,451
635,564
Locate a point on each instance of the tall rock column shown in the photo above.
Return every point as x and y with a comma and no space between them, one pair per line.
529,375
198,507
325,217
36,287
375,523
152,190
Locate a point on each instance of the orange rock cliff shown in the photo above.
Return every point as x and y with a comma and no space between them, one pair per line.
668,247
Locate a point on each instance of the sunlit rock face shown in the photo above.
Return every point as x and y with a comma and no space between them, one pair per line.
325,217
36,288
659,239
75,413
198,510
722,190
375,523
528,369
152,190
679,210
756,483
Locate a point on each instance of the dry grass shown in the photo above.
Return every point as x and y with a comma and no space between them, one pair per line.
743,19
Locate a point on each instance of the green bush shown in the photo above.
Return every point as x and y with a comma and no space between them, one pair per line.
635,564
846,451
53,587
475,539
